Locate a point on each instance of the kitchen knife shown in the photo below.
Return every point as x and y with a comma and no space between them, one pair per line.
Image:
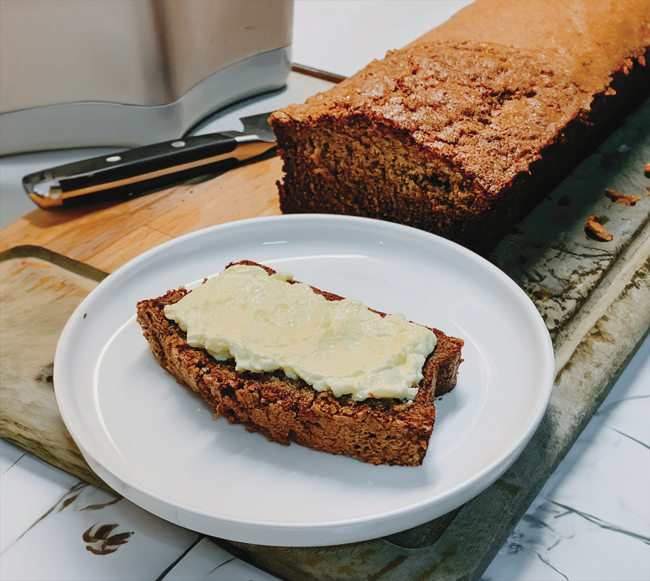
143,169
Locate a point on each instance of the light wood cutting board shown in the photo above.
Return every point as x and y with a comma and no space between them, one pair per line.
106,237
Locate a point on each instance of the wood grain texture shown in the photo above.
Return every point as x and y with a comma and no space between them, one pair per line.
37,296
52,259
108,236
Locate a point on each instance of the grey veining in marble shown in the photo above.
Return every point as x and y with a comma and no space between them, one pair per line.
592,518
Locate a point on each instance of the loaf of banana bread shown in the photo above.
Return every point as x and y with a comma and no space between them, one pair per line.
284,409
462,132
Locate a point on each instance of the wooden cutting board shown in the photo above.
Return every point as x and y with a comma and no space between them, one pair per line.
108,236
593,295
51,260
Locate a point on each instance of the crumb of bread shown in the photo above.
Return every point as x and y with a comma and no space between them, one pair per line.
597,230
647,170
621,198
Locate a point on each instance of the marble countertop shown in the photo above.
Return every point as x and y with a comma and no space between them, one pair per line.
591,521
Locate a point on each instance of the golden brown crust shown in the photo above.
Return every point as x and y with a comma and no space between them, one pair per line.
596,230
285,410
624,199
593,38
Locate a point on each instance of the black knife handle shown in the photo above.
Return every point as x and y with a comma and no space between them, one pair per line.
136,170
141,162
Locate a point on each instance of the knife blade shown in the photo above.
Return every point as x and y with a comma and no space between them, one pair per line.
148,168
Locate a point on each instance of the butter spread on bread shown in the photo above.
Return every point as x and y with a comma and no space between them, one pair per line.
265,324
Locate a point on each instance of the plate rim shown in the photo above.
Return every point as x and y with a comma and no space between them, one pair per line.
142,495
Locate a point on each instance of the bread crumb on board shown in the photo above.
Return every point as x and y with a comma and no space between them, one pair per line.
597,230
614,196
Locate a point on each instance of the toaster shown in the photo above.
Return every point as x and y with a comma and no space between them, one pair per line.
81,73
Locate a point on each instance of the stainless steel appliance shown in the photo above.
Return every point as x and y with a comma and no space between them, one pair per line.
81,73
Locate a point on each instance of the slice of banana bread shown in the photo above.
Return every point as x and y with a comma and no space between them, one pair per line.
285,410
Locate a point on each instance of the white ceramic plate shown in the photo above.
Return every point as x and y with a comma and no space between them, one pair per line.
158,444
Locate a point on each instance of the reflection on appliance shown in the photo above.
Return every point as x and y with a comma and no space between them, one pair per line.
132,72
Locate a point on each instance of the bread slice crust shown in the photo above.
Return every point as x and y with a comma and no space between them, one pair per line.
285,410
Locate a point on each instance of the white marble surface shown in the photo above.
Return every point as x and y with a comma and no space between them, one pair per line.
590,522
